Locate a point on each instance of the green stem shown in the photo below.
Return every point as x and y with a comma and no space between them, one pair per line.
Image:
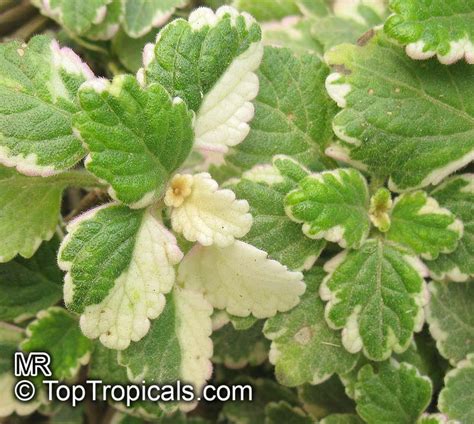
376,183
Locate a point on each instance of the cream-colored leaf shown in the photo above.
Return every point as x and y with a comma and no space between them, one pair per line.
241,279
206,213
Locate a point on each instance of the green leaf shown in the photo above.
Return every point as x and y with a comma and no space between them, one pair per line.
332,205
456,400
432,27
28,286
130,50
140,16
272,231
277,412
136,137
178,346
268,10
38,85
292,112
434,419
408,120
304,349
104,366
108,27
265,392
332,30
30,209
119,265
10,338
418,222
293,32
57,332
77,17
449,315
457,194
396,394
342,419
239,348
326,398
376,294
209,62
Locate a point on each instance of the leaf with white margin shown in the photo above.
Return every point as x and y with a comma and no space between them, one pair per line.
457,194
241,279
456,400
332,205
209,62
136,136
420,223
30,209
140,16
119,265
293,112
178,346
433,27
57,332
238,348
107,29
376,294
304,348
435,419
395,394
10,338
76,16
29,285
205,213
450,318
272,231
408,120
38,85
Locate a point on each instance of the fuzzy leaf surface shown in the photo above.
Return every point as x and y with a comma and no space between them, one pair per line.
140,16
292,112
30,285
410,121
457,194
119,265
136,137
304,348
376,294
456,400
209,62
396,394
449,315
77,17
430,28
56,331
419,222
38,85
272,230
241,279
332,205
178,346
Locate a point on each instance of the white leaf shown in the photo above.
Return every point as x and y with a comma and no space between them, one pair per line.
241,279
202,212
